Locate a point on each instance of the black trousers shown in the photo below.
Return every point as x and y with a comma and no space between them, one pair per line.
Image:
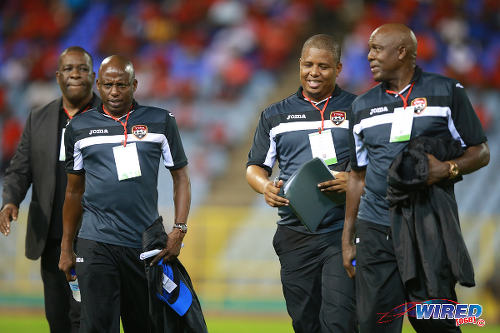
379,288
61,310
318,293
113,284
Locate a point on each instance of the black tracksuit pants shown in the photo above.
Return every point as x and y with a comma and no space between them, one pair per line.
379,288
113,284
318,293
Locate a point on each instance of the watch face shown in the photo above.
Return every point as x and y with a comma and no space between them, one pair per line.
453,170
181,226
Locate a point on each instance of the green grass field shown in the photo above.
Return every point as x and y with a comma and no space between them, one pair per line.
36,323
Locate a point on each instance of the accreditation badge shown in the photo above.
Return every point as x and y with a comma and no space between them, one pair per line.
402,123
322,146
127,161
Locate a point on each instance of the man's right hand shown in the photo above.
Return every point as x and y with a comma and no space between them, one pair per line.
348,255
67,261
7,214
270,191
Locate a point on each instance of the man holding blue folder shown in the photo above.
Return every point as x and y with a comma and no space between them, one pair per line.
313,122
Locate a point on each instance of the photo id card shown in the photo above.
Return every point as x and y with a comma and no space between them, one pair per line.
322,146
402,123
127,161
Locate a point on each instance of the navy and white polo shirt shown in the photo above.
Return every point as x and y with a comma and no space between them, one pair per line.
283,135
117,212
442,109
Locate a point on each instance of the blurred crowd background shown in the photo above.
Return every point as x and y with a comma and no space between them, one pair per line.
215,64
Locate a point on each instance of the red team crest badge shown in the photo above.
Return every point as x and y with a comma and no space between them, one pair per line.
337,117
419,103
140,131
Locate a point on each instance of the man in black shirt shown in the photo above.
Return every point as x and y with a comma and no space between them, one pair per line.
313,122
406,104
39,161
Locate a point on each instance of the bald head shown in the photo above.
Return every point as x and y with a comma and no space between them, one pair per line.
392,55
117,63
323,42
116,84
399,35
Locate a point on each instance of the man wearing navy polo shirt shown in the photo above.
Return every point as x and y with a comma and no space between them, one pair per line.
113,153
314,120
408,103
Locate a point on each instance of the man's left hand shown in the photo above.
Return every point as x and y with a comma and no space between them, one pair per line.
437,170
339,184
172,248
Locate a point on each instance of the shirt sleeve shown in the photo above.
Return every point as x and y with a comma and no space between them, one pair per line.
172,148
357,150
74,157
263,150
464,117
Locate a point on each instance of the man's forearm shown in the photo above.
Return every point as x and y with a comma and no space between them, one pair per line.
474,158
182,194
72,210
355,187
72,213
257,178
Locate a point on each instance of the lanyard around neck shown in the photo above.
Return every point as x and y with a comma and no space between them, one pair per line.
124,124
404,98
321,111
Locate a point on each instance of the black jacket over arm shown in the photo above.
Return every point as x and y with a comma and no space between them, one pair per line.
427,239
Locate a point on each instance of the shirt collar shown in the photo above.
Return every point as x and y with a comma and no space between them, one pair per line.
134,107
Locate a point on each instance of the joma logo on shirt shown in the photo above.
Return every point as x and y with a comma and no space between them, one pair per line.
378,110
98,131
296,116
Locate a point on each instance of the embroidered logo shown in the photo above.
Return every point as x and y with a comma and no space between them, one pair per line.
420,104
140,131
337,117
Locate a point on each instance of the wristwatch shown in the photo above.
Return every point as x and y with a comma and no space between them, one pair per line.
453,171
181,226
